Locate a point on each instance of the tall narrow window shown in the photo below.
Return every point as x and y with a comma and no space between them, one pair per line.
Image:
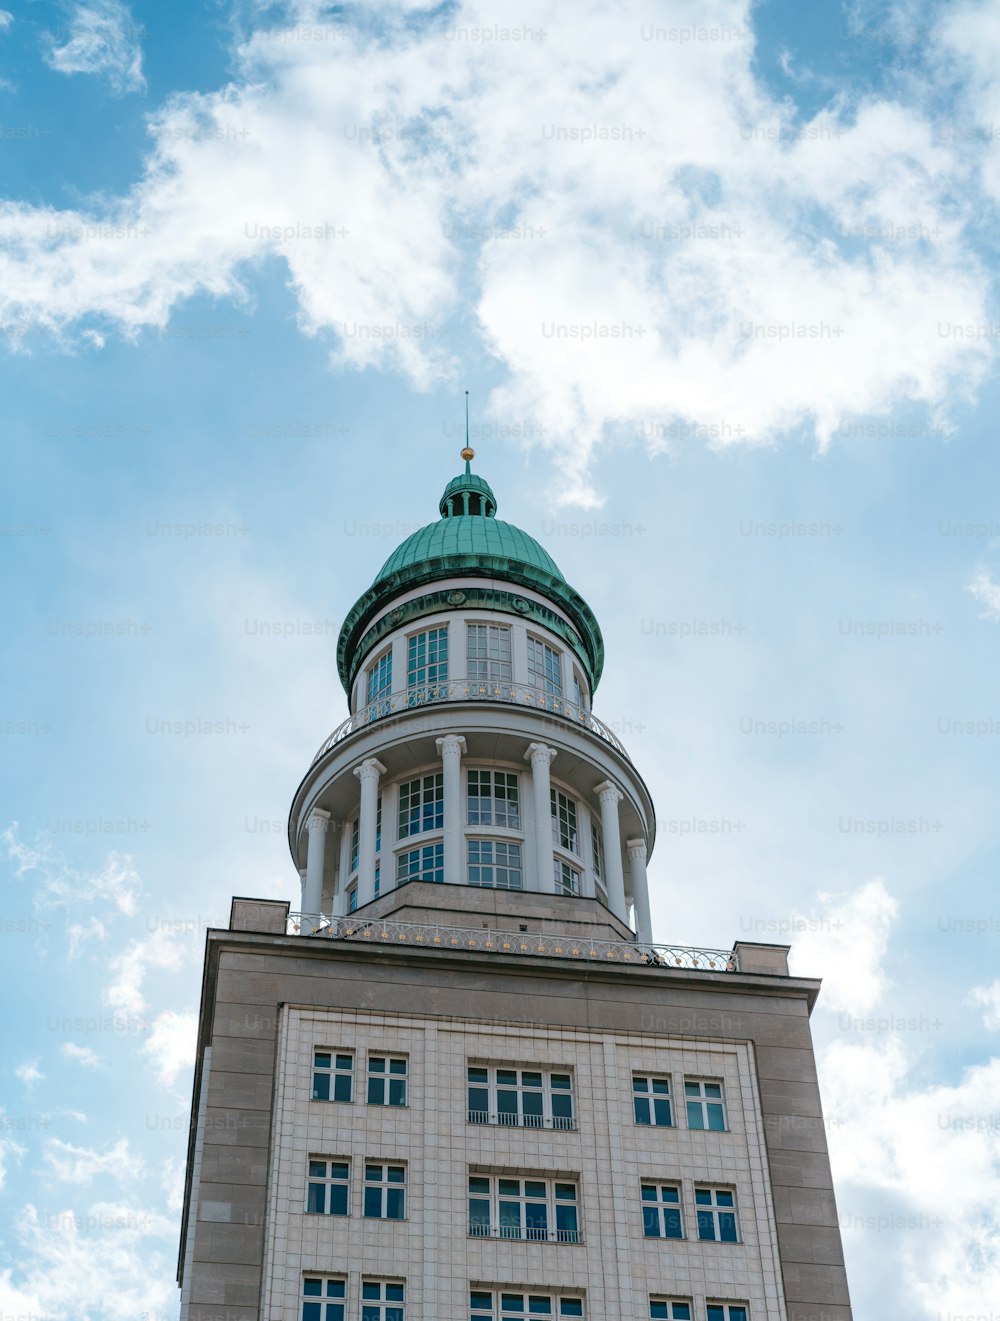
382,1300
386,1080
567,878
385,1192
489,653
323,1298
421,805
427,661
705,1105
328,1187
493,799
544,666
380,680
716,1210
564,829
651,1101
597,850
495,864
661,1211
333,1076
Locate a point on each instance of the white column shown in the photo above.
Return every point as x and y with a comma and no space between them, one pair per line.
343,871
609,796
368,773
316,828
450,749
302,888
640,888
541,758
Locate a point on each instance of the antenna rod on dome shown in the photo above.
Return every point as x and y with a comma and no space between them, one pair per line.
468,454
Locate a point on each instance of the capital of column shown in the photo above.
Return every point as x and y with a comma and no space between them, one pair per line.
452,745
318,819
636,849
370,769
540,754
608,793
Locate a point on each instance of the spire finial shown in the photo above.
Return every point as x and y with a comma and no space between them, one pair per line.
468,454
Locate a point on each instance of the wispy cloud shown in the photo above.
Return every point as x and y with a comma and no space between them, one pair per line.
102,39
988,999
844,941
71,1164
81,1054
59,885
986,589
29,1073
171,1044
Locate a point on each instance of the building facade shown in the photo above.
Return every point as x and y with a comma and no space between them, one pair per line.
464,1083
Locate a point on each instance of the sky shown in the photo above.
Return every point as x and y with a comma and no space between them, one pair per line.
721,280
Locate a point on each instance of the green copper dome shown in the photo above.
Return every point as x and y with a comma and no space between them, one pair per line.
468,541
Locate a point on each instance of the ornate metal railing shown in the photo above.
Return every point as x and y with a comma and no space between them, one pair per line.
527,1233
430,935
470,690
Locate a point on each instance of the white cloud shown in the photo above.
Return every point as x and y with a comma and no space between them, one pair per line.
844,943
172,1182
9,1149
112,1261
29,1073
103,39
82,1054
6,19
987,590
129,969
735,267
71,1164
899,1151
62,886
988,997
171,1044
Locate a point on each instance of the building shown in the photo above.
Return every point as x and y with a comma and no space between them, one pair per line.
464,1084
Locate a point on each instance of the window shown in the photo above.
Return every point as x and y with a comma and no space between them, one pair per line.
426,864
352,899
323,1299
564,822
716,1208
421,805
661,1211
487,1305
493,799
651,1101
535,1209
488,653
567,878
544,666
385,1192
673,1309
333,1076
382,1301
380,679
355,837
427,659
328,1187
597,848
727,1312
386,1080
495,864
705,1106
579,693
520,1098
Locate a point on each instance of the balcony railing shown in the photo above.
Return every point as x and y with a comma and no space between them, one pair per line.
526,1233
471,690
564,1123
432,936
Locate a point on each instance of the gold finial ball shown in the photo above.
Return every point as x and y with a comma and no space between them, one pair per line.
468,454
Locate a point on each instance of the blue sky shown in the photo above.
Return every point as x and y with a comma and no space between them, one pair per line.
722,284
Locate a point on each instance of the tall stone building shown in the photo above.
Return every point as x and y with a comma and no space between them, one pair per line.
463,1083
